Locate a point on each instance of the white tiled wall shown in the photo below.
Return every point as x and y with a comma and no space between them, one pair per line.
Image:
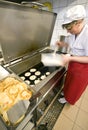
59,7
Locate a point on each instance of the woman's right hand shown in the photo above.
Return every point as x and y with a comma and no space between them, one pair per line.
60,43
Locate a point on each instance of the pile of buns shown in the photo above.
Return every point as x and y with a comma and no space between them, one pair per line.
11,91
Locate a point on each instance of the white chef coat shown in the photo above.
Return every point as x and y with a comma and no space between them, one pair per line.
79,45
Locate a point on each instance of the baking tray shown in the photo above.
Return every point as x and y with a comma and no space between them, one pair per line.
15,97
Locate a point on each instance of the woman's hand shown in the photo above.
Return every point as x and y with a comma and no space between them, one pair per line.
61,43
66,58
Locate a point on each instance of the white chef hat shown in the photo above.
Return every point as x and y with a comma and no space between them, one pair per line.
75,13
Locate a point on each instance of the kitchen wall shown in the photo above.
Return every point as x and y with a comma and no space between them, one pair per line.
59,7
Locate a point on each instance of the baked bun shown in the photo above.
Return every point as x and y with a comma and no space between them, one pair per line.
25,94
11,91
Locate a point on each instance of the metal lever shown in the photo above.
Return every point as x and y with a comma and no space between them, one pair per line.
32,3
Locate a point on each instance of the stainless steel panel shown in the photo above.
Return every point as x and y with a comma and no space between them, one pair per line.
18,111
2,126
25,64
3,72
29,126
24,30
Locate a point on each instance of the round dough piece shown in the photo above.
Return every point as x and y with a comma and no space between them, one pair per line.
37,73
33,77
27,81
47,73
43,77
27,74
37,81
22,77
32,70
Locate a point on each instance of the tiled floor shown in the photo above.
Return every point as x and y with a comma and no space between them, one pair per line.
74,117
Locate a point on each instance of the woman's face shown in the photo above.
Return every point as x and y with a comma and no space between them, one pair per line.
75,28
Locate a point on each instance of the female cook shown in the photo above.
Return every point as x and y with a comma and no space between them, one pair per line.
77,74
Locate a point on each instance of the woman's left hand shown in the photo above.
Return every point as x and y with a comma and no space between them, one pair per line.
66,58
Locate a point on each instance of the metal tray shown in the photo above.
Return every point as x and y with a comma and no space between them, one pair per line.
14,99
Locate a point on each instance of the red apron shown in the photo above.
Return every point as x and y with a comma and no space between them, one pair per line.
76,81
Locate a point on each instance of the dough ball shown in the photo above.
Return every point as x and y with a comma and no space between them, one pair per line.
33,77
27,74
32,70
47,73
37,81
37,73
43,77
22,77
27,81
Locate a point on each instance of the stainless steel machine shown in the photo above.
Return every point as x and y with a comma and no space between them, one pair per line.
25,34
